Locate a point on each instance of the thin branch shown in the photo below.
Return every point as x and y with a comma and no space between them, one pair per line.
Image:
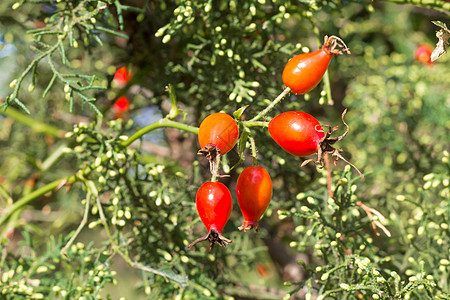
443,6
80,227
33,195
271,105
33,63
35,125
162,123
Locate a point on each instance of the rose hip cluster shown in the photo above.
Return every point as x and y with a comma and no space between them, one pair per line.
218,134
298,133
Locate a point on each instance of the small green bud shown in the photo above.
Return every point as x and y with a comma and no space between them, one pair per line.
311,200
428,177
42,269
166,38
159,32
13,83
140,18
444,262
400,198
93,224
304,209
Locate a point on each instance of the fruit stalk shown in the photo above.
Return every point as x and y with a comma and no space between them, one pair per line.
271,105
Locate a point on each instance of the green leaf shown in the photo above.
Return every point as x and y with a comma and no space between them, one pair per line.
174,111
238,113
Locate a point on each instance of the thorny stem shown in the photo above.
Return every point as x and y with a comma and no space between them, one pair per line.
253,147
249,124
271,105
214,168
327,167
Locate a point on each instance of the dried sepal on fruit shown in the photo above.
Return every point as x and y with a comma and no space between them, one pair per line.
214,205
325,146
218,134
300,134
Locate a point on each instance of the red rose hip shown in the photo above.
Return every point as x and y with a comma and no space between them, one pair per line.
254,192
298,133
214,205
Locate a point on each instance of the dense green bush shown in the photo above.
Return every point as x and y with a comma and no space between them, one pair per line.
95,206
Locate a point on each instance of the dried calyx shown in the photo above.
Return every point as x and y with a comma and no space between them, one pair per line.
325,147
212,153
247,225
335,45
214,237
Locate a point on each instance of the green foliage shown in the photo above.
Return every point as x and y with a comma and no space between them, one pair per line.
90,202
39,276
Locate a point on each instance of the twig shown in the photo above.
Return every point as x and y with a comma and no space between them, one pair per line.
80,227
375,223
327,167
271,105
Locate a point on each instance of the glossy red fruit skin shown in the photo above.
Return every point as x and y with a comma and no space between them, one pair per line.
214,205
219,130
423,54
298,133
254,192
304,71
